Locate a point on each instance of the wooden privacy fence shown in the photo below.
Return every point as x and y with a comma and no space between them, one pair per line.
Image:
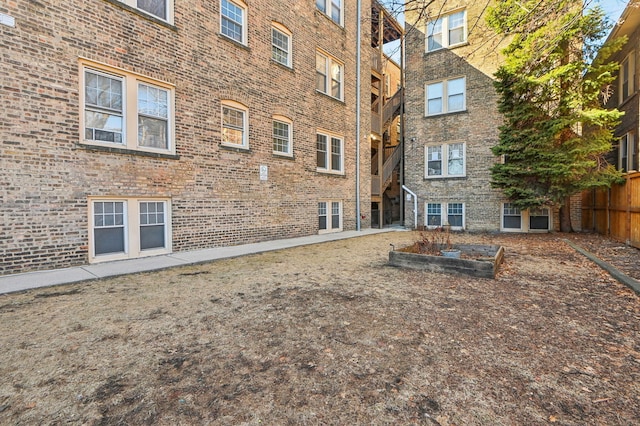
614,212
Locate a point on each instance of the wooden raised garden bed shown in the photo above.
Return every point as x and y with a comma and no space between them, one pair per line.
477,260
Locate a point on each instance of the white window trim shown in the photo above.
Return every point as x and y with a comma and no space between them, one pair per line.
329,137
525,217
131,229
287,121
243,6
169,5
283,30
130,82
445,97
329,60
445,31
630,61
327,11
245,123
444,150
329,206
444,215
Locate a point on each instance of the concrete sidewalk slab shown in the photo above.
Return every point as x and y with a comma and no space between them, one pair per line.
30,280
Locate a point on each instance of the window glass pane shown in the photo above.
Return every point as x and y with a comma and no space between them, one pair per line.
108,224
108,240
336,154
152,132
456,28
322,215
280,47
151,237
322,5
336,80
321,147
455,92
434,34
434,214
155,7
103,107
321,73
335,10
454,214
232,126
335,215
434,161
511,217
455,165
232,20
434,98
280,137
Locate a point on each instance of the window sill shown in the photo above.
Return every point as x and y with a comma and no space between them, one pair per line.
457,177
143,14
462,111
447,48
283,156
330,173
236,148
127,151
281,65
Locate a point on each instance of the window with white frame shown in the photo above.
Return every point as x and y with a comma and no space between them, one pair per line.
626,77
235,125
539,219
329,216
329,76
128,228
446,160
444,214
447,31
282,137
511,217
627,153
125,110
445,96
233,20
161,9
331,8
281,45
330,157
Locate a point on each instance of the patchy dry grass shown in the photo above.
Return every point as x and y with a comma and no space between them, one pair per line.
329,334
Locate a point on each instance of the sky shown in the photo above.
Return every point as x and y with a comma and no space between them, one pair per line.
612,8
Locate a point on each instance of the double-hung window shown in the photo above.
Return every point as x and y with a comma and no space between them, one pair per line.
447,31
627,153
446,160
235,125
281,45
282,137
441,214
329,216
161,9
329,76
233,20
128,228
626,77
125,110
445,96
330,156
331,8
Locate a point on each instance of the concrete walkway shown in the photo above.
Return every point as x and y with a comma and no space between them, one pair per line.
29,280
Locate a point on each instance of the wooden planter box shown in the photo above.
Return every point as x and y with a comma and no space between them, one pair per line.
480,261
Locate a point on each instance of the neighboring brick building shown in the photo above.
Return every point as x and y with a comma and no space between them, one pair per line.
452,123
137,128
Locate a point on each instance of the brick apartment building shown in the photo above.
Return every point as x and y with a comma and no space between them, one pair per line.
452,123
134,128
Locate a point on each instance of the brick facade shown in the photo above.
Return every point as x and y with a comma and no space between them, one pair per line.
474,58
216,195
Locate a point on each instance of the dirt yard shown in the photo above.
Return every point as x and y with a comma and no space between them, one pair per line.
330,335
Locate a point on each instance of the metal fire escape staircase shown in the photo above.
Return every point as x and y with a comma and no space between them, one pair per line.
392,155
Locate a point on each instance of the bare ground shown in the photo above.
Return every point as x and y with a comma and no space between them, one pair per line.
329,334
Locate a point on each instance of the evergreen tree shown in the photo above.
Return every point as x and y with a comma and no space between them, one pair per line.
556,133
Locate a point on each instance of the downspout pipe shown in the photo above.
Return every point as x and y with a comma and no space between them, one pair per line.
415,206
358,101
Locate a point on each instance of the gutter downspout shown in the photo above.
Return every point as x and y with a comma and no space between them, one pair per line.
415,206
358,46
